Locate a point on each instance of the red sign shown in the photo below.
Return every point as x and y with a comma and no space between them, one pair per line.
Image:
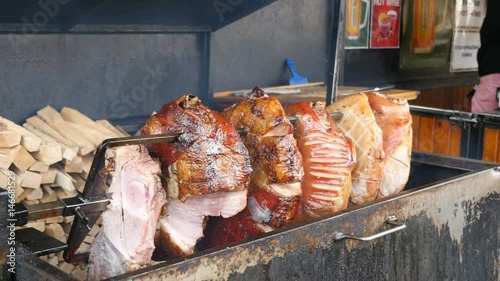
386,19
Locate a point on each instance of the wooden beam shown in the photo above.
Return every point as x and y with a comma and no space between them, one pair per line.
49,153
31,180
22,158
75,165
65,181
37,123
9,138
94,136
39,166
28,140
54,119
75,116
68,153
49,176
5,161
106,124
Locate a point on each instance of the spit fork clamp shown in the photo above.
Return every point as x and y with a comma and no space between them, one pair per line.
86,206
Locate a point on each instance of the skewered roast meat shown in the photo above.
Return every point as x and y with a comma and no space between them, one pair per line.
359,124
125,242
328,156
277,170
394,118
209,157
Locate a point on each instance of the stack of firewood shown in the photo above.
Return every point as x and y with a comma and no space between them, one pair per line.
51,155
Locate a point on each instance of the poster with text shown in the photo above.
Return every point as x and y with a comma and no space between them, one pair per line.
427,29
469,14
385,23
464,51
357,24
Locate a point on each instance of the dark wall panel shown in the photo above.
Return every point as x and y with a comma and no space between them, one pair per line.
252,51
105,76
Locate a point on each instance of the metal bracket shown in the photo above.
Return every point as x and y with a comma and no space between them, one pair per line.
392,219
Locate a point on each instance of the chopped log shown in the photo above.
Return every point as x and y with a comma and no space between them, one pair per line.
33,194
66,227
84,247
54,120
60,255
89,239
5,161
9,138
58,219
31,180
22,158
53,261
65,181
79,182
94,136
48,194
61,194
30,202
79,274
37,123
66,267
39,225
49,176
75,165
68,152
87,163
20,194
39,166
55,230
49,153
122,131
69,220
75,116
63,238
28,140
106,124
94,230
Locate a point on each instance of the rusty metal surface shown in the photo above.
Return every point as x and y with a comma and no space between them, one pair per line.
452,233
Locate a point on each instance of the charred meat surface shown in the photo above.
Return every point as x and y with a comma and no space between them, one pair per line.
394,118
208,156
359,124
275,191
126,240
328,156
208,167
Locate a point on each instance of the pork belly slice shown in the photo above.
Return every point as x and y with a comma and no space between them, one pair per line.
359,124
254,219
328,156
184,222
126,240
394,118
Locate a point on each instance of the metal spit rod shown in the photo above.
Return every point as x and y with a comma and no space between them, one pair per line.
88,206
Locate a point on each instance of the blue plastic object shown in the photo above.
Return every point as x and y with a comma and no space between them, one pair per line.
296,78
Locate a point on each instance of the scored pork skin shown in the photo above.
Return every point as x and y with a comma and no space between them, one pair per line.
207,157
394,118
359,124
328,156
126,240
